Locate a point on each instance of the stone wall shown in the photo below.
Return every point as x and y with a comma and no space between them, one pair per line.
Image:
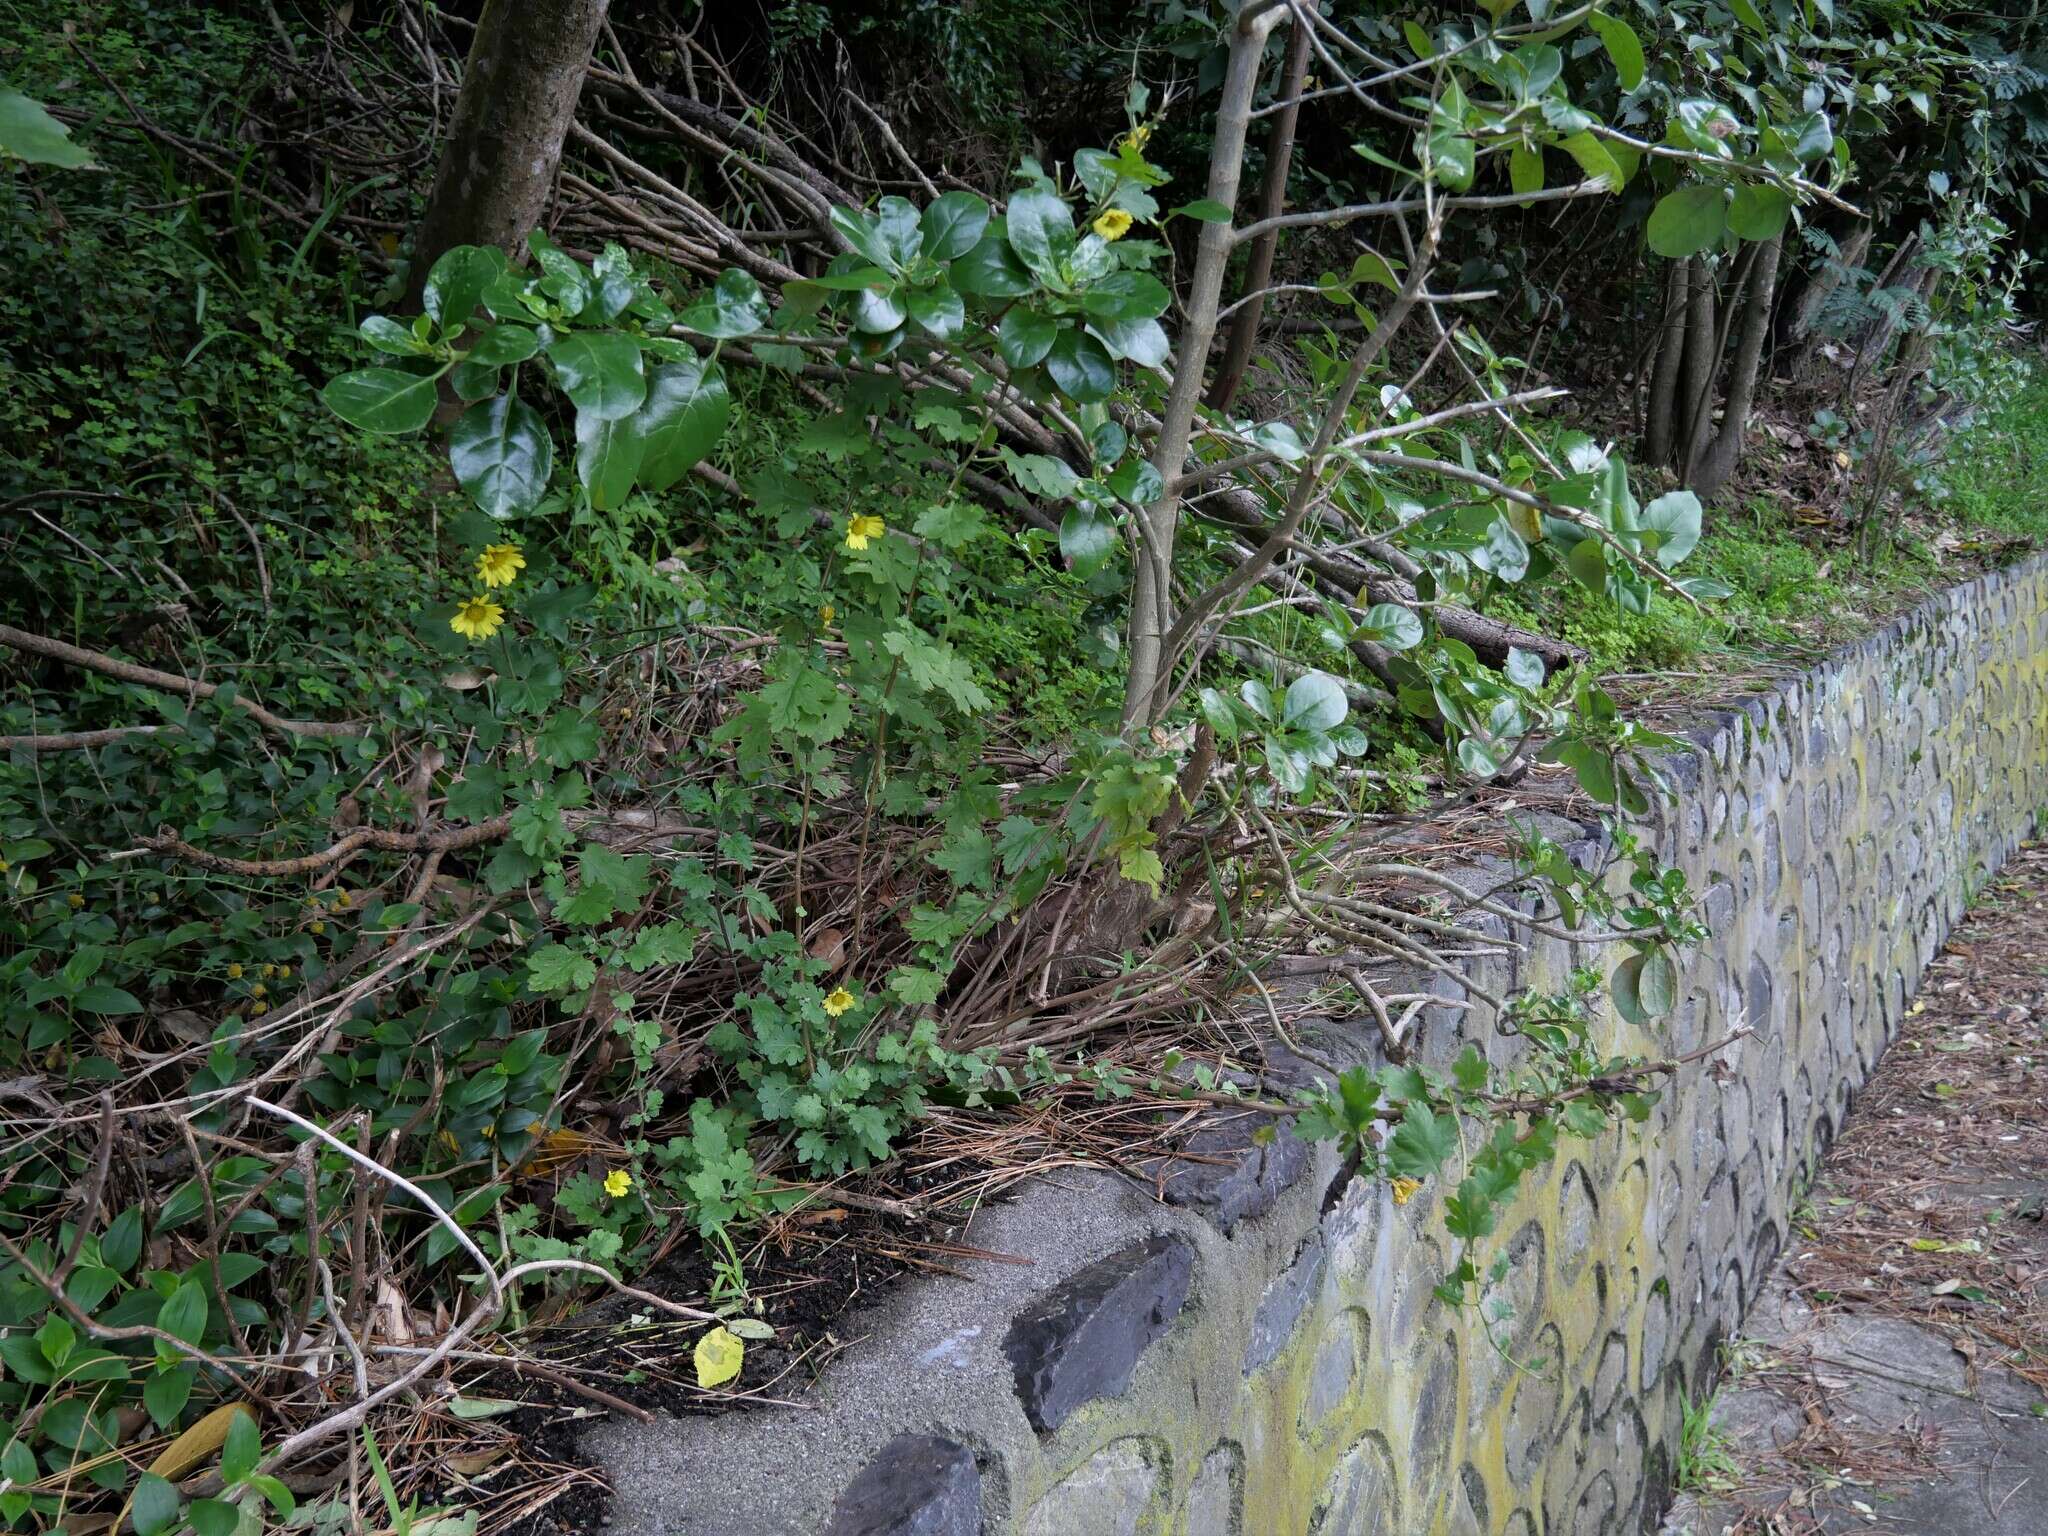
1261,1355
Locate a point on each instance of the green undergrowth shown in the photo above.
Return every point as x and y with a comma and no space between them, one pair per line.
1798,588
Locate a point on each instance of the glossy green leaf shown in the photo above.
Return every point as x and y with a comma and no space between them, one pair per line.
155,1506
183,1314
562,278
735,306
1079,365
1525,169
1126,296
878,311
121,1243
383,400
391,338
1315,702
686,411
1675,518
1759,211
608,451
991,271
601,372
1596,160
1040,229
936,310
953,225
1688,221
1206,210
1139,341
456,284
1087,538
1623,47
28,132
502,456
242,1449
1393,626
1024,336
504,343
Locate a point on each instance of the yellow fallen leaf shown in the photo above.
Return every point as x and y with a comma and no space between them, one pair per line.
195,1445
198,1442
718,1358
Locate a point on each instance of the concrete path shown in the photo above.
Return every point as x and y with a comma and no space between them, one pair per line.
1891,1378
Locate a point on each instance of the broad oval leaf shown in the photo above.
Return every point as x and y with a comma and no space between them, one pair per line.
601,372
1139,341
991,270
608,453
953,225
1688,221
457,282
1024,336
1087,538
878,311
685,412
1081,367
936,310
1126,296
1759,212
1040,229
28,132
1393,626
1315,702
1623,47
384,400
504,343
502,455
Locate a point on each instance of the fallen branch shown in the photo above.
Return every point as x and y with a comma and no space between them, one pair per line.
171,682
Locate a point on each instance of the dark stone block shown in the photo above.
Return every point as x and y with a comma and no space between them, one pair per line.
1284,1302
1227,1175
1082,1339
918,1485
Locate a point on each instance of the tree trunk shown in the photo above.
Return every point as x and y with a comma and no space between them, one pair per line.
1244,326
518,100
1717,462
1145,691
1702,366
1663,411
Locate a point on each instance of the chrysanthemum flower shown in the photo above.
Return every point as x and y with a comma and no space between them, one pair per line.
1112,224
838,1001
617,1182
499,565
479,618
863,530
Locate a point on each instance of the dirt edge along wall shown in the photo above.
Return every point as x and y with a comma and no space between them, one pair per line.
1261,1355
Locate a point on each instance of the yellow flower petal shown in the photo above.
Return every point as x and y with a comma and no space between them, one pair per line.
617,1182
863,530
1404,1190
478,619
1112,224
499,565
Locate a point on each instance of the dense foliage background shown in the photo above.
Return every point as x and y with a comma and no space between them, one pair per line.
616,740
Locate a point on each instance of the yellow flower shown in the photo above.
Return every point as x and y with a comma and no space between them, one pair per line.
75,901
839,1001
826,613
318,927
1113,224
1138,136
863,530
1404,1190
478,618
259,990
342,898
617,1182
257,1010
499,565
234,970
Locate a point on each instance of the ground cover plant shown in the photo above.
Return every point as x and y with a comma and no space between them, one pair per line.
553,722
